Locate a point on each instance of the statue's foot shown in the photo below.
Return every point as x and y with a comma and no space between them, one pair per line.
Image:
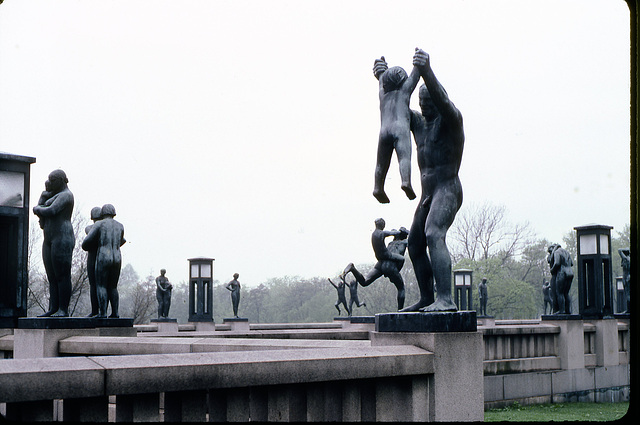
60,313
440,305
47,314
409,191
114,316
381,196
92,314
417,306
101,315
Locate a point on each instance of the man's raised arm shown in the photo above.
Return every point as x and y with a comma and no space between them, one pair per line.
438,94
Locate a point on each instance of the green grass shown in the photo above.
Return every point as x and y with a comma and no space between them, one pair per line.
558,412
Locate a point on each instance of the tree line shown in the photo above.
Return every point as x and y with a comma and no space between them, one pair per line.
509,256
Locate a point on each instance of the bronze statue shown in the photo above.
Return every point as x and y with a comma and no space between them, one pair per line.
54,211
353,295
395,89
625,259
439,138
234,287
96,214
546,294
163,294
560,263
390,259
106,237
483,296
340,287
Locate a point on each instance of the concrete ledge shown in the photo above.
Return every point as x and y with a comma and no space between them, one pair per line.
284,326
92,346
178,372
526,364
521,329
329,334
50,378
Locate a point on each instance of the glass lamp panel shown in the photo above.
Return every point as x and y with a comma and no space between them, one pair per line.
11,189
604,244
467,280
459,280
195,270
620,284
588,244
205,270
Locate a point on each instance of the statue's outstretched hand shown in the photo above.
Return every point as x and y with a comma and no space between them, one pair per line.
379,66
420,58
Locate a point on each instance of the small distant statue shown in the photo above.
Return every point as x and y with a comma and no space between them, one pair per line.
560,263
342,299
54,210
395,89
163,294
234,287
390,259
483,295
96,214
106,236
546,294
353,295
625,258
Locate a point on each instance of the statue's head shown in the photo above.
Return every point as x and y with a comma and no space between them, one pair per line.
426,104
162,271
236,275
403,234
379,222
96,213
56,181
108,210
393,78
484,280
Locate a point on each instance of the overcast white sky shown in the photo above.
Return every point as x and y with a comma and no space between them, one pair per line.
246,131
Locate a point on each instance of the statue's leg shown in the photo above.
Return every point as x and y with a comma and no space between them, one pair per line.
445,205
114,297
385,151
53,287
395,278
403,152
62,252
417,247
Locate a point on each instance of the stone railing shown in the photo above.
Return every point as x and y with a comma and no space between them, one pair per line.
556,361
387,383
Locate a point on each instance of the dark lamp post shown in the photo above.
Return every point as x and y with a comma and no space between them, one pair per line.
200,289
595,278
462,279
14,237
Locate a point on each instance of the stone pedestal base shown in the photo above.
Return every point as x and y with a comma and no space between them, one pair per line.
343,320
454,321
361,322
205,326
486,321
166,325
237,323
561,317
74,322
456,389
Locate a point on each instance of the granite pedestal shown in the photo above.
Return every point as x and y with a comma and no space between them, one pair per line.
37,337
448,321
166,324
237,323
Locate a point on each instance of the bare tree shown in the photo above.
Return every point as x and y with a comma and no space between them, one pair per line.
481,232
